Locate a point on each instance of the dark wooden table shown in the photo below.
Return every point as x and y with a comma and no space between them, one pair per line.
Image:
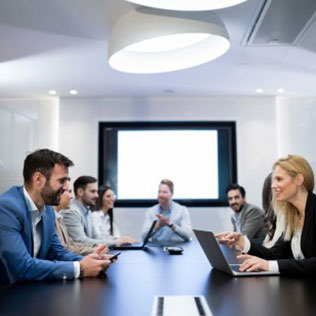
138,276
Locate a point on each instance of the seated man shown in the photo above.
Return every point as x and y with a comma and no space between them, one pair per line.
29,246
61,229
78,218
174,223
247,219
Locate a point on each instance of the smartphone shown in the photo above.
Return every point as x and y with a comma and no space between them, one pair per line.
174,250
115,256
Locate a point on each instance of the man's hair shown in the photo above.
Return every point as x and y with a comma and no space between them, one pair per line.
168,183
43,161
236,186
82,182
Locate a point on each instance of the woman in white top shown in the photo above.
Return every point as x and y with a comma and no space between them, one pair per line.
103,222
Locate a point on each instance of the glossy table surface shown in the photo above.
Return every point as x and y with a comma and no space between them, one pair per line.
137,276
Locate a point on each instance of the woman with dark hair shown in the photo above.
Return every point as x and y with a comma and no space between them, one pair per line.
103,222
274,222
295,253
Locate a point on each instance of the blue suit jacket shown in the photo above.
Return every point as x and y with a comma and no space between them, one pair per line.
16,244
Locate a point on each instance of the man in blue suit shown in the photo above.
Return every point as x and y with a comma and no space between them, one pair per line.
29,246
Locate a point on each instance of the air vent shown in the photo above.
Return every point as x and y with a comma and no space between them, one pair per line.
281,22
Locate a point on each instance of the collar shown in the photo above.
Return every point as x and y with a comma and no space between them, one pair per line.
30,203
169,209
83,209
57,215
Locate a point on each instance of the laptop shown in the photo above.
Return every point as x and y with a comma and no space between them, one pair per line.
217,259
138,246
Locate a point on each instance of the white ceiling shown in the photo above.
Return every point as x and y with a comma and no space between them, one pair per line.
62,45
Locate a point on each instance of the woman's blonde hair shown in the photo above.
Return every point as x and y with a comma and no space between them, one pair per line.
293,165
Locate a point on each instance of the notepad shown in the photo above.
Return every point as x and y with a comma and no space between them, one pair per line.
175,305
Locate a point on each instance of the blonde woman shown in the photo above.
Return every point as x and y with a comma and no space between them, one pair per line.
295,253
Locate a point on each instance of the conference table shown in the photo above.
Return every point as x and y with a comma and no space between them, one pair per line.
138,276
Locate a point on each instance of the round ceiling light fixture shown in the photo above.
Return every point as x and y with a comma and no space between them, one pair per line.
155,41
188,5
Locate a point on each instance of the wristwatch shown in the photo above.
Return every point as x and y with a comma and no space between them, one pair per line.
171,225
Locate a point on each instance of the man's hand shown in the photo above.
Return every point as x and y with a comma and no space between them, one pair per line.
253,263
124,240
231,239
162,221
101,249
93,264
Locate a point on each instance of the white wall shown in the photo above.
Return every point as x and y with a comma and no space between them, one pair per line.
267,128
256,141
25,125
297,127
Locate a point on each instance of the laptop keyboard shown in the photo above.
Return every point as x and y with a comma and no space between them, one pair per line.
235,267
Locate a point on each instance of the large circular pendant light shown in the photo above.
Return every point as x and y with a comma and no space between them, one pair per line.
154,41
188,5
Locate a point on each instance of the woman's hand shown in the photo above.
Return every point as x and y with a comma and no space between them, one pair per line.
231,239
124,240
253,263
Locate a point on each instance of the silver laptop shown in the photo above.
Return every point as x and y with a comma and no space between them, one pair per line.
217,259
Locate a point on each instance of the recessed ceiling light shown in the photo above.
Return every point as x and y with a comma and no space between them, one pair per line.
52,92
73,92
259,90
280,90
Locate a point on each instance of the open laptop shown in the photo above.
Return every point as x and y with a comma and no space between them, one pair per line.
138,246
217,259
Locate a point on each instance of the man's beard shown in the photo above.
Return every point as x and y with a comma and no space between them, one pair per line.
239,209
89,202
50,196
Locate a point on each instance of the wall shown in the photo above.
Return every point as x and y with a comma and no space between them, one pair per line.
297,127
267,128
25,125
256,141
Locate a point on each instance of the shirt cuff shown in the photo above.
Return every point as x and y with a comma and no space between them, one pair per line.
76,269
246,246
273,266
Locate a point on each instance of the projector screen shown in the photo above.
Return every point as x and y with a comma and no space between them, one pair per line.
199,157
149,156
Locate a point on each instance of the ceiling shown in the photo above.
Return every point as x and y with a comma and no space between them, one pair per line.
62,45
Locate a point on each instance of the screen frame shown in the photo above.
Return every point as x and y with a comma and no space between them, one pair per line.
107,163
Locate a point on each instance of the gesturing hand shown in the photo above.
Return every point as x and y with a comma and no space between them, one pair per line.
253,263
162,221
231,239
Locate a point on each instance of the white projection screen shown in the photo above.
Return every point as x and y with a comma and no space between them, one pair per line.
188,158
199,157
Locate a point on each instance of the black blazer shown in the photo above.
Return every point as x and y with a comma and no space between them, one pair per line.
282,250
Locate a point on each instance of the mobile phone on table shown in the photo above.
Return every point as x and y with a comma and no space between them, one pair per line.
174,250
115,256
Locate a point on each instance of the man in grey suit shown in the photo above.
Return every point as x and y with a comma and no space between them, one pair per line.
78,217
247,219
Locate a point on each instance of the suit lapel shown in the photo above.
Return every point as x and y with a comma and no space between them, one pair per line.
28,226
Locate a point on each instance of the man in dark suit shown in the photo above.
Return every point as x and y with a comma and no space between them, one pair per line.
29,246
